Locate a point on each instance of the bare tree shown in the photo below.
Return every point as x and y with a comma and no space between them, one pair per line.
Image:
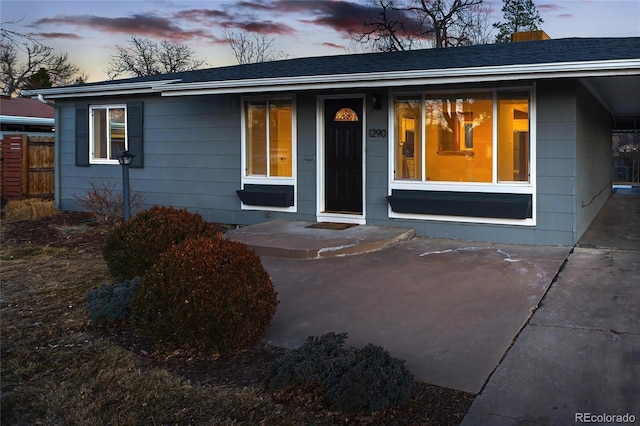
408,24
449,20
144,57
252,48
27,63
391,29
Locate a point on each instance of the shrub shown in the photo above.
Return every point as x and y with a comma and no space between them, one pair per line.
207,293
29,209
132,247
374,381
318,361
350,379
111,302
105,200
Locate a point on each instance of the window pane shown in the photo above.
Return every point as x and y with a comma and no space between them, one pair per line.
100,133
256,139
408,143
458,133
117,131
280,123
513,137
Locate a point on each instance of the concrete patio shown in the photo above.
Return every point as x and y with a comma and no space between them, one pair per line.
449,308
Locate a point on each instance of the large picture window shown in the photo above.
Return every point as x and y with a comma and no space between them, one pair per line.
107,132
269,138
455,137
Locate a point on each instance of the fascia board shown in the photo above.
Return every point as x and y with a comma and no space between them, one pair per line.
403,78
34,121
101,90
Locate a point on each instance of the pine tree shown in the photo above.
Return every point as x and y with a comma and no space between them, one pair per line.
519,15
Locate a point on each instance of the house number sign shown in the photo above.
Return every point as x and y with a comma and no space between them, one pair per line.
377,133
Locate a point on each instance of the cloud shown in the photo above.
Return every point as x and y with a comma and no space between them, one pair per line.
142,25
565,16
266,27
68,36
202,15
549,7
333,45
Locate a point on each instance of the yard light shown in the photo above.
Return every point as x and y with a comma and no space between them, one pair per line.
125,158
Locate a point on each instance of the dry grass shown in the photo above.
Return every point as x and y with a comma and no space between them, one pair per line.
29,209
56,369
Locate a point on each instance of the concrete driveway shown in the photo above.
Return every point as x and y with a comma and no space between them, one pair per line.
578,359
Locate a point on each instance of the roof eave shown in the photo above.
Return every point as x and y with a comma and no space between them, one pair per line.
31,121
99,90
405,78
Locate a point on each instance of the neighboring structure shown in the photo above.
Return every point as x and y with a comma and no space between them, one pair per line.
504,142
26,149
25,116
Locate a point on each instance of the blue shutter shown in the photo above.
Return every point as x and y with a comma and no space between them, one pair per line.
135,138
82,135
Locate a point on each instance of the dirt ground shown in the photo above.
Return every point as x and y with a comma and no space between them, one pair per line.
430,405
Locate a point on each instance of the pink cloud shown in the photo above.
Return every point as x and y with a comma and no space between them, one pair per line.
144,25
69,36
333,45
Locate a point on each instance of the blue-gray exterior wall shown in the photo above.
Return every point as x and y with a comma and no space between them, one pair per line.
192,148
593,158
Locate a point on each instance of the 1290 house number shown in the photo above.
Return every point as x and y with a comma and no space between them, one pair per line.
377,133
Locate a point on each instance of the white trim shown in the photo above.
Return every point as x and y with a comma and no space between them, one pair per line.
494,186
461,219
107,107
321,214
409,78
269,180
108,89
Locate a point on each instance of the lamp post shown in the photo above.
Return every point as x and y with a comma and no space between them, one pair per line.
125,158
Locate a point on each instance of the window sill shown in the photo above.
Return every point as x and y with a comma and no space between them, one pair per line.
115,162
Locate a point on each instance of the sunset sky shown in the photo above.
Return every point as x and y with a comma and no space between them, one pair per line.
88,30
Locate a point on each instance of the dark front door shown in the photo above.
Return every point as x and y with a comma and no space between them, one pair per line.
343,155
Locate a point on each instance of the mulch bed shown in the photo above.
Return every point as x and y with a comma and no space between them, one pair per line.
430,405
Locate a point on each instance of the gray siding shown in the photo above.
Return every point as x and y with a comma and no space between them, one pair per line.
192,148
593,159
555,162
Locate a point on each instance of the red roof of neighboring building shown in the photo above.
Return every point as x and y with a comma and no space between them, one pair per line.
24,107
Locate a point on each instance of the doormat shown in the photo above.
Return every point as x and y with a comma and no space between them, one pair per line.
331,225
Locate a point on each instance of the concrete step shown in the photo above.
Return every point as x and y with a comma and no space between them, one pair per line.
295,239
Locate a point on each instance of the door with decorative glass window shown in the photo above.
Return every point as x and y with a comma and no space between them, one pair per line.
343,155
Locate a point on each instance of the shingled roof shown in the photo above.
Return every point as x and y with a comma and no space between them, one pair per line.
413,63
545,51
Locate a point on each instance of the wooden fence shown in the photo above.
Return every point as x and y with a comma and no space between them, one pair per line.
26,167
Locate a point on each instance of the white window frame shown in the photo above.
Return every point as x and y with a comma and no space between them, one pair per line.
270,180
92,149
495,186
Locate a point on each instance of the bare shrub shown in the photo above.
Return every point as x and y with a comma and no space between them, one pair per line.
29,209
105,200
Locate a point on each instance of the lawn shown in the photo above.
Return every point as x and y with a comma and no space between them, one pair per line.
59,368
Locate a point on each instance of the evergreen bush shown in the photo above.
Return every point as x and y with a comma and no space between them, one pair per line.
207,293
350,379
111,302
